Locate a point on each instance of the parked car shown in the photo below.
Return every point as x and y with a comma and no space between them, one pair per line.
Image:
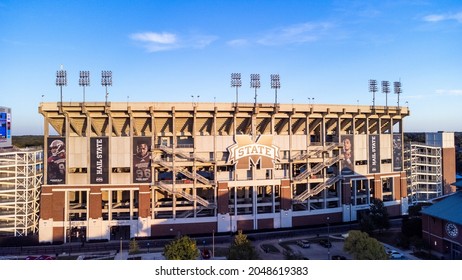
392,254
303,243
325,243
205,254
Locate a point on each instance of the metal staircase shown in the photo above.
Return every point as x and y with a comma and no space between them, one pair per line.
181,153
184,171
318,167
169,188
316,152
319,188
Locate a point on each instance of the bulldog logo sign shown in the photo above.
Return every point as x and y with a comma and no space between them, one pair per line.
246,151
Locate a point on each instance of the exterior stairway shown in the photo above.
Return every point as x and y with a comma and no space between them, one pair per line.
182,154
169,188
319,188
318,167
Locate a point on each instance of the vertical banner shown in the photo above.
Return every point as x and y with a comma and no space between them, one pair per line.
142,160
99,160
374,153
56,161
347,165
397,152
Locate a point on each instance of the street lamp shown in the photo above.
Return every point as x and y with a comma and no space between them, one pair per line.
328,239
106,80
276,84
213,244
120,248
84,81
236,82
255,83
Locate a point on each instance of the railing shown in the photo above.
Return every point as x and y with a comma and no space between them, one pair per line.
169,189
316,190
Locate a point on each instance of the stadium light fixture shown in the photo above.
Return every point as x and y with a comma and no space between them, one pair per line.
397,87
373,89
84,81
386,90
106,80
236,82
255,83
275,84
61,81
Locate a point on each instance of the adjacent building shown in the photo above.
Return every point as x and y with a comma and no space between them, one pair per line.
21,172
431,167
122,170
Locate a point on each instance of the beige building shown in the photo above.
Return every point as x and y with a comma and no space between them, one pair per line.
21,172
121,170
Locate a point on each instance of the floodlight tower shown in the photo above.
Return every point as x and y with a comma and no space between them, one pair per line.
106,80
255,83
397,87
236,82
373,89
61,80
386,90
84,81
276,84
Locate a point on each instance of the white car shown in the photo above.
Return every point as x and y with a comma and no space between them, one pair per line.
395,255
303,243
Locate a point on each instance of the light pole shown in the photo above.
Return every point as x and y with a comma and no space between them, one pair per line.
237,83
213,244
328,239
386,90
84,81
373,89
61,80
120,248
397,87
255,83
106,80
276,84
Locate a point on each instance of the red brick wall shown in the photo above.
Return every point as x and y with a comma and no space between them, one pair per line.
449,169
286,196
223,198
144,204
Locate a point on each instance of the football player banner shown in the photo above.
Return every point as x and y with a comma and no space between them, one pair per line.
99,151
397,152
56,161
142,160
347,167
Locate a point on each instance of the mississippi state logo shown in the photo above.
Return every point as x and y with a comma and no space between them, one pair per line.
245,152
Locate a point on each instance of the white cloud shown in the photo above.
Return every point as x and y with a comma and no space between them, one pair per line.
443,17
238,42
156,42
453,92
295,34
158,38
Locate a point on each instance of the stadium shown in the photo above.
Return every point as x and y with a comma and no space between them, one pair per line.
118,170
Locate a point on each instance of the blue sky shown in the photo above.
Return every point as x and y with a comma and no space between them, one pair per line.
166,51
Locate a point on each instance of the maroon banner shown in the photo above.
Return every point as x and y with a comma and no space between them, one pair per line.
56,161
142,160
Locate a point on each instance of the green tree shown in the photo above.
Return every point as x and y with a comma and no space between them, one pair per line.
242,248
379,215
363,247
183,248
134,248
